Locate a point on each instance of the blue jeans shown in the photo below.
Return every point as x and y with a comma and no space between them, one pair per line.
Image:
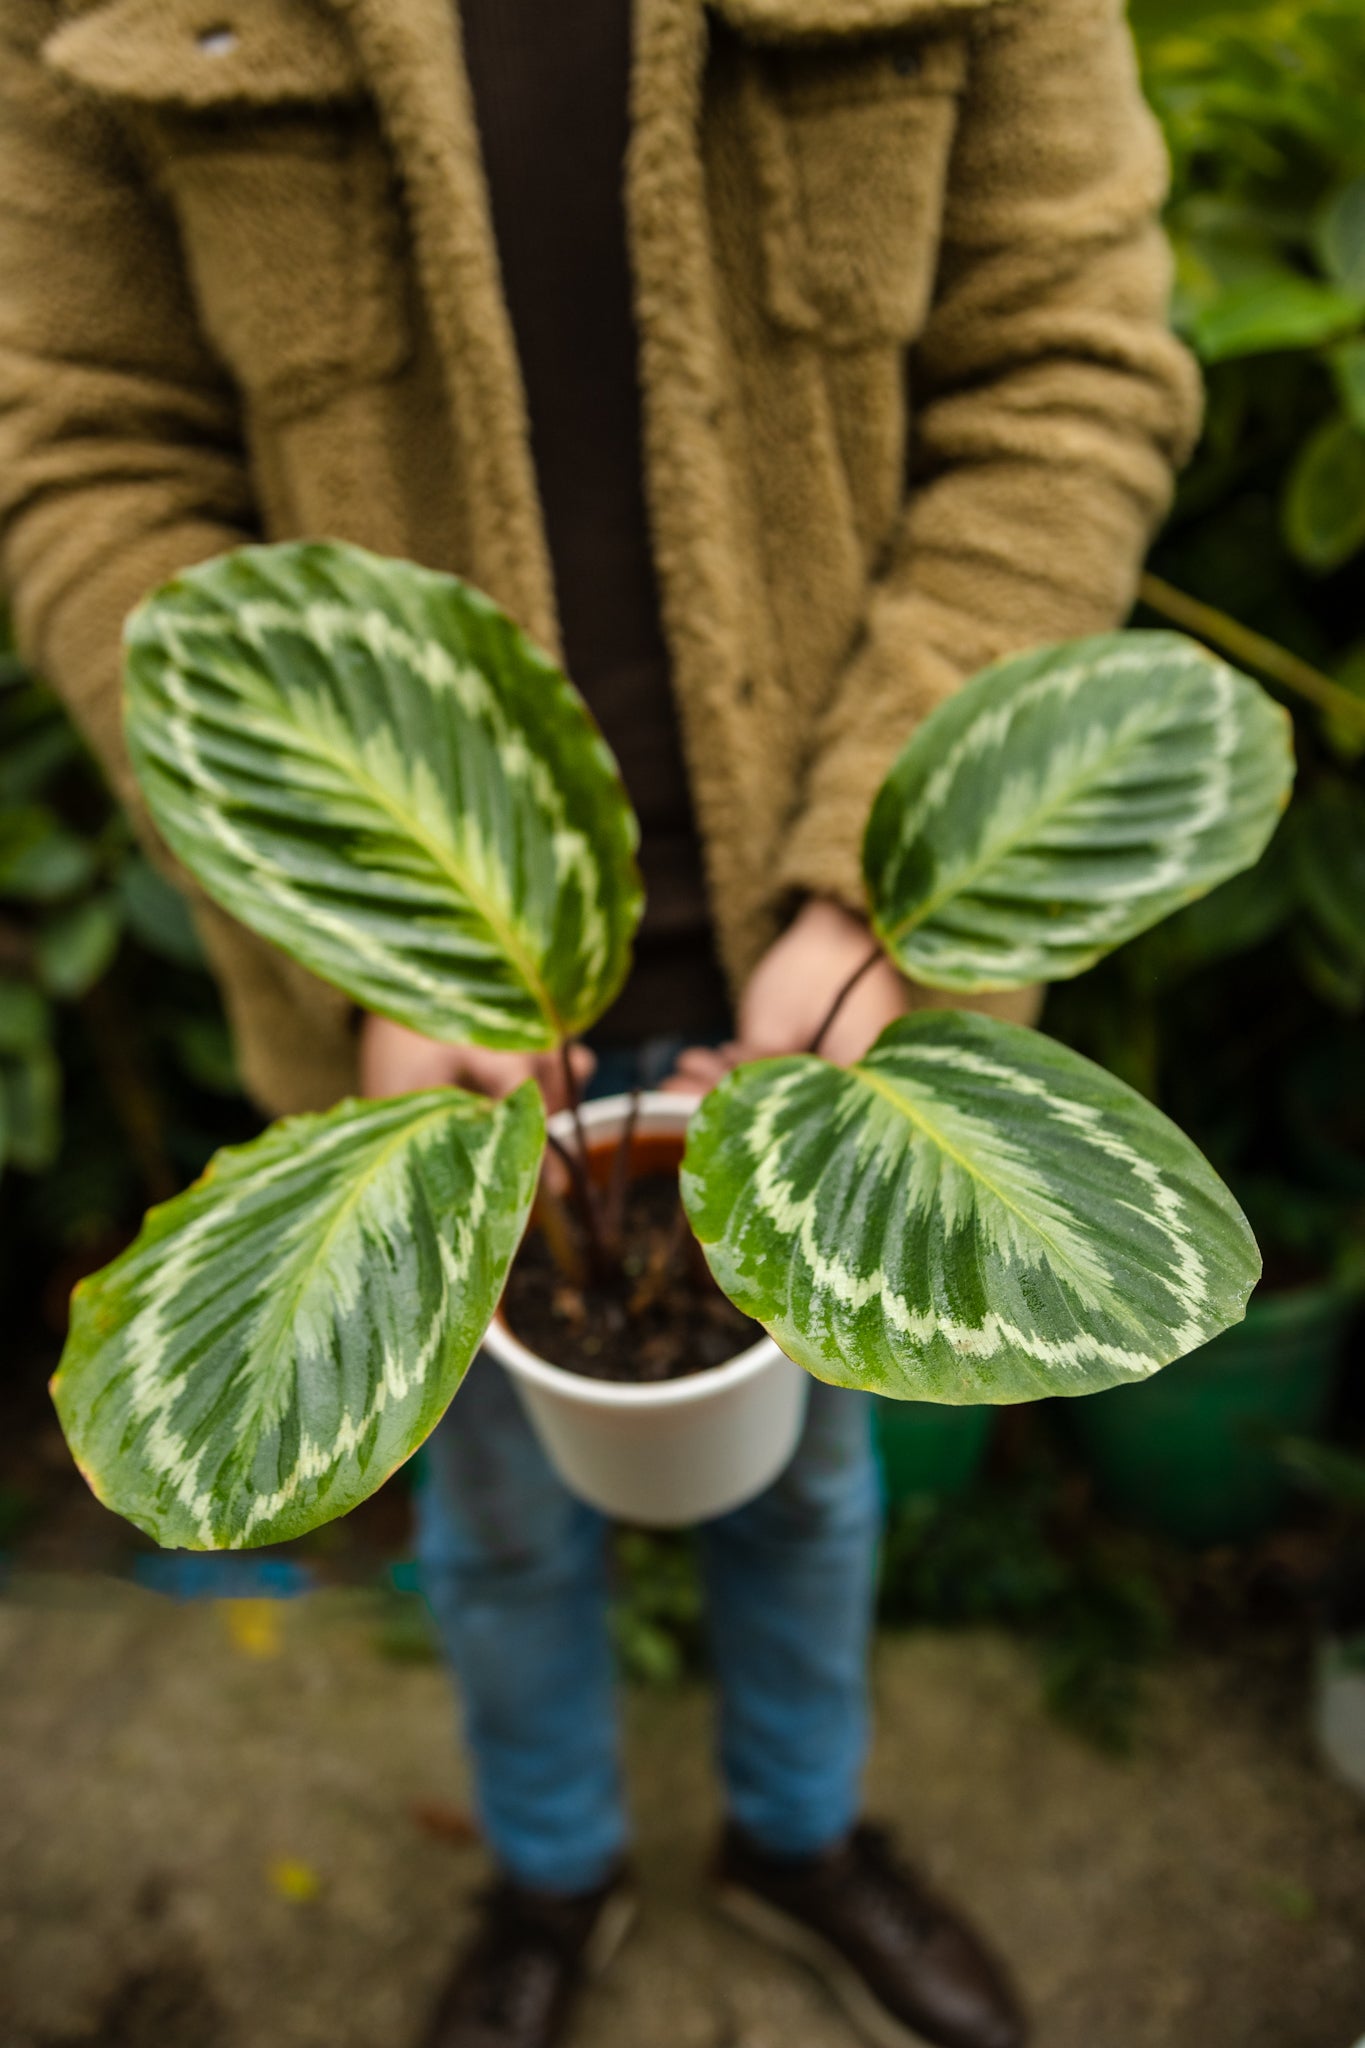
515,1570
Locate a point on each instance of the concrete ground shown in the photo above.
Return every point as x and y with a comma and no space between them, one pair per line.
238,1826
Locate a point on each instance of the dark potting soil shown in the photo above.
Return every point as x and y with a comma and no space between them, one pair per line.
665,1318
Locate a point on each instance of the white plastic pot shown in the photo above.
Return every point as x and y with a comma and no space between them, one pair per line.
675,1451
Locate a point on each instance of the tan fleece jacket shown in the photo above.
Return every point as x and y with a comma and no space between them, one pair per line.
910,400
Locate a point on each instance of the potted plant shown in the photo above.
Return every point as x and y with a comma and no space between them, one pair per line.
369,764
660,1448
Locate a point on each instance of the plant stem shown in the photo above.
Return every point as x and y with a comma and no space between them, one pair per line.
600,1261
564,1242
573,1164
620,1175
1240,643
653,1283
573,1099
845,992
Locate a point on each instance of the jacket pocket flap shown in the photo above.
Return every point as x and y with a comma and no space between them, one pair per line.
780,21
193,53
813,75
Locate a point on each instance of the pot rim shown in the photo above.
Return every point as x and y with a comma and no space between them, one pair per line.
658,1111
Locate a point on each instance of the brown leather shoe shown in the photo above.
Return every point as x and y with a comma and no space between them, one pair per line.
905,1968
515,1983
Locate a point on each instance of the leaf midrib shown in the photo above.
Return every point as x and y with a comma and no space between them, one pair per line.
916,1116
357,1187
348,765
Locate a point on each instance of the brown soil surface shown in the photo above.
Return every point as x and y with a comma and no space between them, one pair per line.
216,1832
663,1319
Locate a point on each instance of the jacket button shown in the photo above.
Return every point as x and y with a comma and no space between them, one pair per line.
744,689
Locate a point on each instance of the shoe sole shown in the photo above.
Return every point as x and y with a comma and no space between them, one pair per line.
613,1924
780,1931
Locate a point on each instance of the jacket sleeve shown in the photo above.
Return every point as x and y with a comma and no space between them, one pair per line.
1050,404
120,456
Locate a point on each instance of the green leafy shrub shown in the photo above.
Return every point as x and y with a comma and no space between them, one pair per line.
1260,106
1241,1016
116,1075
1088,1601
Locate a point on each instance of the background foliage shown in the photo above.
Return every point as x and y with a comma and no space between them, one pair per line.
1242,1016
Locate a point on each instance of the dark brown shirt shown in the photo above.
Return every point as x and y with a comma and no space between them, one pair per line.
551,92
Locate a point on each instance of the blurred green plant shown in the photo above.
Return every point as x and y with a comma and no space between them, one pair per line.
1088,1601
1241,1017
116,1072
1335,1475
1261,110
1011,1556
657,1612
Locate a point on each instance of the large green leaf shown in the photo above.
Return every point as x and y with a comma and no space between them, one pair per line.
281,1336
1064,801
972,1213
369,764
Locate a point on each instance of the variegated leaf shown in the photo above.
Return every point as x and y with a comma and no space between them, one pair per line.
281,1336
371,766
972,1213
1064,801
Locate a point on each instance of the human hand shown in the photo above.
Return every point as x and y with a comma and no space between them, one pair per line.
396,1061
790,992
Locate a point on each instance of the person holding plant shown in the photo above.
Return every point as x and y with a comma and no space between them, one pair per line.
781,362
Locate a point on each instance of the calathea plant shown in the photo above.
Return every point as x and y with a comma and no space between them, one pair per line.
371,766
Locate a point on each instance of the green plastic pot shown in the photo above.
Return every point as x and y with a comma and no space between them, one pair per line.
928,1447
1190,1452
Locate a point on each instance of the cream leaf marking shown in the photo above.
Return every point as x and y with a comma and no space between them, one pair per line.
331,625
857,1214
213,817
1065,1250
471,877
1065,800
286,1332
854,1289
367,763
991,728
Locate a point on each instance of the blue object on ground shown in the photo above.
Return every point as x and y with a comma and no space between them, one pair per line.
221,1575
